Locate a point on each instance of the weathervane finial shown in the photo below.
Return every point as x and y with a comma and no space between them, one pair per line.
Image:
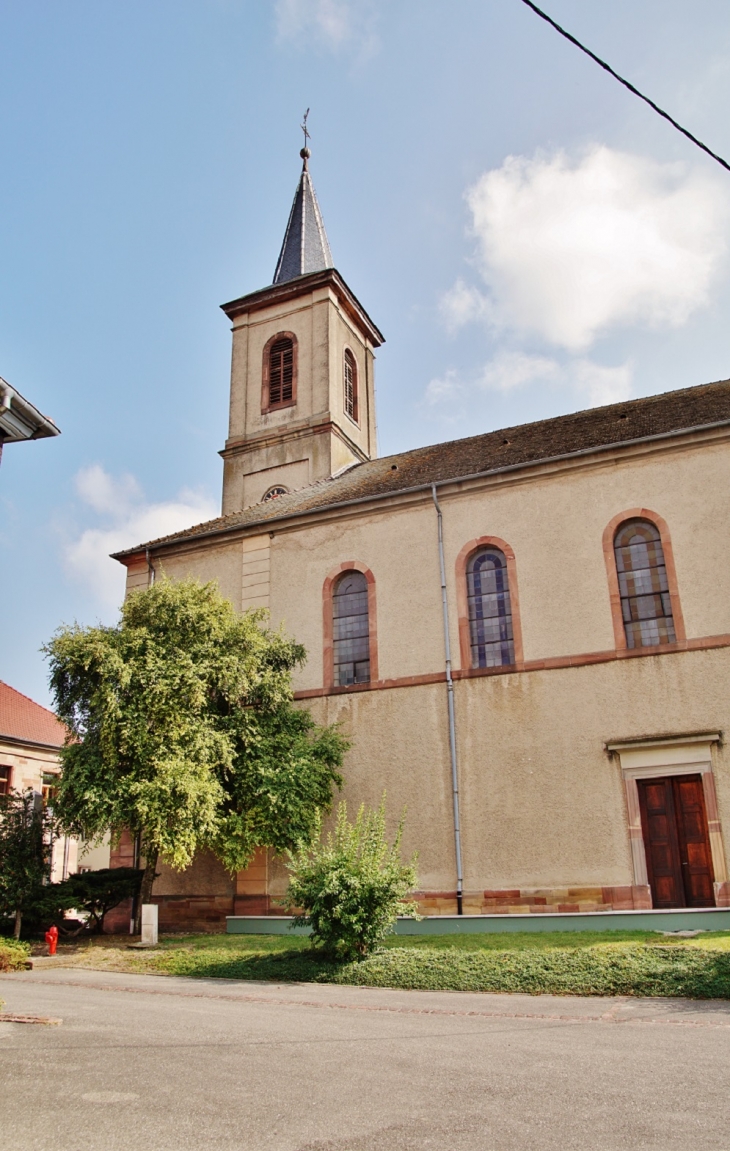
305,153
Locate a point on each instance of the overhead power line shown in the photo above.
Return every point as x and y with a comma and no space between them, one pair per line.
607,67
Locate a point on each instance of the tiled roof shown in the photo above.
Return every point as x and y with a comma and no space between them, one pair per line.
521,446
23,719
305,248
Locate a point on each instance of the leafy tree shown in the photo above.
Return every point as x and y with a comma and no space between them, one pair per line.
183,731
26,828
351,888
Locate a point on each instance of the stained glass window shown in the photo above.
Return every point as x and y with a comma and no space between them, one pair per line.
351,633
490,610
646,606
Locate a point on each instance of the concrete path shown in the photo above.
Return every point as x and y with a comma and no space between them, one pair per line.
165,1064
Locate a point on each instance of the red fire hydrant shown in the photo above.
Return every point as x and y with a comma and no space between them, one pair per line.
52,939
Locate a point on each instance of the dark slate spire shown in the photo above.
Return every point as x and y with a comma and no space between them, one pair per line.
305,248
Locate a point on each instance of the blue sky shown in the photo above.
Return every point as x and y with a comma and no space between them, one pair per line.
530,237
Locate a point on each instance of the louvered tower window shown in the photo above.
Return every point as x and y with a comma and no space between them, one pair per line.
646,605
490,610
350,385
351,630
281,372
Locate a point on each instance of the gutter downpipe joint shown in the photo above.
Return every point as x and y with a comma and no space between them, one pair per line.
452,718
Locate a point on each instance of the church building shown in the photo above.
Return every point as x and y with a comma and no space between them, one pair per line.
523,632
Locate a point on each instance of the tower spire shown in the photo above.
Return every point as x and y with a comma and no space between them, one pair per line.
305,248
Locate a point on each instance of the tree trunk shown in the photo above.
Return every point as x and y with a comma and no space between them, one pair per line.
18,921
145,891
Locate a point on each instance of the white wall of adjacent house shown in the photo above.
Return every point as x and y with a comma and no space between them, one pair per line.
93,856
38,768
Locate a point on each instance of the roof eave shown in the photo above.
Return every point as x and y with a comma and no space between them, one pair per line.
20,419
289,289
125,557
21,741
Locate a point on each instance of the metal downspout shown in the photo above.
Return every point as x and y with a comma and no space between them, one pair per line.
450,701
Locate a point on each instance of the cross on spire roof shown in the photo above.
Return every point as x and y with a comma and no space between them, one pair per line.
305,248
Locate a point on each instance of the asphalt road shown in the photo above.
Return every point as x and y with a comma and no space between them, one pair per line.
165,1064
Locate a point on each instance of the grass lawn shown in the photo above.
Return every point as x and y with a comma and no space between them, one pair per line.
563,963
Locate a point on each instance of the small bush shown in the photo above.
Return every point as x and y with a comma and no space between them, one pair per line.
351,888
13,955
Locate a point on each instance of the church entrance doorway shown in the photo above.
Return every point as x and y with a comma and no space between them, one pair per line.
674,827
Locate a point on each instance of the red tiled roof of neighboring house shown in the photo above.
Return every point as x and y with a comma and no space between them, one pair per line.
23,719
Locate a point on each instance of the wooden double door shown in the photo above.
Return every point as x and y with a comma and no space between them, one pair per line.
674,824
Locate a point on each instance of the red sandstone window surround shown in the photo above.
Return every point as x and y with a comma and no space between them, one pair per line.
642,581
349,625
490,634
6,774
280,372
350,385
490,610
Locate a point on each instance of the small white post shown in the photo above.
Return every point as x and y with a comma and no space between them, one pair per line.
149,925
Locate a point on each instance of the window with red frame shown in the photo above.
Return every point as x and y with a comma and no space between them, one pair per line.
646,605
490,609
351,631
281,372
350,385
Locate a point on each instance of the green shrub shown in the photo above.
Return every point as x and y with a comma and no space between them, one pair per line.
351,888
13,955
26,828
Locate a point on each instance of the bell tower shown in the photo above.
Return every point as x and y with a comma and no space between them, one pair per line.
302,391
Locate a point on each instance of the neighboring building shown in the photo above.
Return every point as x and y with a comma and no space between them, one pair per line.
20,420
587,597
31,739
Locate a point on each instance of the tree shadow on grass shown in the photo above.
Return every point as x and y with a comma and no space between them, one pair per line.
295,966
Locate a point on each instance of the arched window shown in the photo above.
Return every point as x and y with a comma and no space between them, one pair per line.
350,381
280,374
490,609
351,629
646,605
274,493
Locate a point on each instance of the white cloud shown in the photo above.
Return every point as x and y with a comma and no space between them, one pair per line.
331,23
105,494
444,388
509,370
591,384
570,249
462,304
603,385
129,520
